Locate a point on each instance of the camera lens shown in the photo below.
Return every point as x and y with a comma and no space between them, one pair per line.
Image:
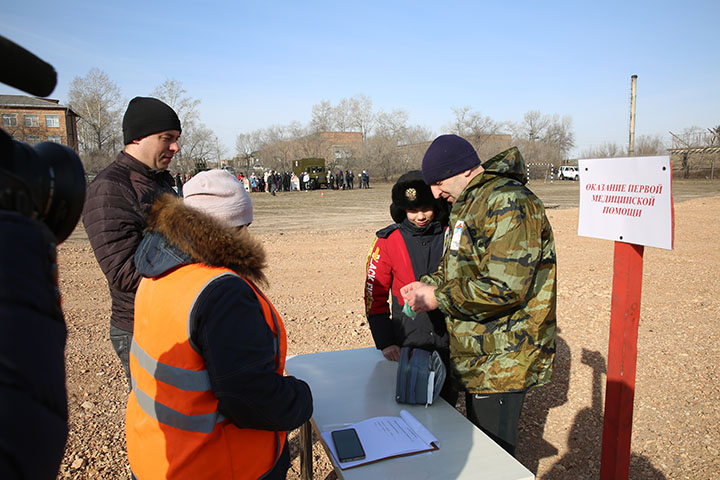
46,183
66,188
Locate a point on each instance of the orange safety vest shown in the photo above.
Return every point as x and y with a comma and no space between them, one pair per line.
173,426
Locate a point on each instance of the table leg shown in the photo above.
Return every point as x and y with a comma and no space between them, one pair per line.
306,454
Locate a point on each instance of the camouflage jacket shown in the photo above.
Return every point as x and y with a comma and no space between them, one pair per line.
497,282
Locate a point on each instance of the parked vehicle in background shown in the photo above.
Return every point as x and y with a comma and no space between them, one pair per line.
568,172
315,167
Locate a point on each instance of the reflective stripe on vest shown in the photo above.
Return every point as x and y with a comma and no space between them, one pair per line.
189,380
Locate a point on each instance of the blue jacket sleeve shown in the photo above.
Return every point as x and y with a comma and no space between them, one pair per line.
229,329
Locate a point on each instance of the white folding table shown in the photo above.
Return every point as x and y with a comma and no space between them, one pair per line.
353,385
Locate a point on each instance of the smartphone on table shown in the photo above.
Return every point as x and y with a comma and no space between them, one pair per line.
347,445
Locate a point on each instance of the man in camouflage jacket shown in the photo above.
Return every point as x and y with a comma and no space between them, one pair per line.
496,282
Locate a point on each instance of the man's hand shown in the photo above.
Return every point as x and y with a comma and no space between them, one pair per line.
392,353
409,288
420,296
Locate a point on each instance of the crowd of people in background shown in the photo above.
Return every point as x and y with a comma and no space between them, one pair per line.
272,181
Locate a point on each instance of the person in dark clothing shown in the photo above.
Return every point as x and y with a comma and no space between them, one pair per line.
365,179
288,181
199,256
179,184
401,253
117,203
272,183
33,399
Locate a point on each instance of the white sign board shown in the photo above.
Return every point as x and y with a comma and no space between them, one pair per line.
627,200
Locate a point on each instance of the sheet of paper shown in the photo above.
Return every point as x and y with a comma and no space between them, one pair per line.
419,428
384,437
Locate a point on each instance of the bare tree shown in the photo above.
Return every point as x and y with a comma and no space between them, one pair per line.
98,102
381,148
198,143
605,150
477,129
418,134
560,134
197,147
533,126
469,124
277,147
650,145
350,114
172,92
246,146
322,117
552,130
543,138
312,145
413,147
342,121
361,113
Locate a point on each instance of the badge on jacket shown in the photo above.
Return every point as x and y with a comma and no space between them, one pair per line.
457,233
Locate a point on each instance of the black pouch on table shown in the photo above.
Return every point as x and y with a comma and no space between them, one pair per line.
420,376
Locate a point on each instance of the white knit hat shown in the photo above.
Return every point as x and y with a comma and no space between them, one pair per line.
219,194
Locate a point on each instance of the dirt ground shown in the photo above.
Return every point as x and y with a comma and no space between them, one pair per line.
317,244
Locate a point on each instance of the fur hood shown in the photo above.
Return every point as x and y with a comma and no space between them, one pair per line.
179,234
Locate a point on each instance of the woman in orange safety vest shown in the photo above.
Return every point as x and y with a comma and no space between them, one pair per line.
209,397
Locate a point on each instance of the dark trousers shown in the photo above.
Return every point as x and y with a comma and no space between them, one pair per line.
121,341
498,415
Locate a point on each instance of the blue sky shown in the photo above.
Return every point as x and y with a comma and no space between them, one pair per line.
253,65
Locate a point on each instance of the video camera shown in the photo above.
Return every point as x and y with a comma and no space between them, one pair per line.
45,182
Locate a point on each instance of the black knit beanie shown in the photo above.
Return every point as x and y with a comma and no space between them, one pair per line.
411,192
145,116
447,156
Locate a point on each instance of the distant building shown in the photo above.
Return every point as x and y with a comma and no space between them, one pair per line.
34,120
341,146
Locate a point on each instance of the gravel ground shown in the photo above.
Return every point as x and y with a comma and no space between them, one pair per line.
317,272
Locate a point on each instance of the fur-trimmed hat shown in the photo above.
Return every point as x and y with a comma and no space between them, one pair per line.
221,195
411,192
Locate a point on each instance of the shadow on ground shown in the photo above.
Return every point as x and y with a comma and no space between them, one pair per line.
584,440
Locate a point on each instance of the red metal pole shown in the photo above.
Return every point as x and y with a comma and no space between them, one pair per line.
622,361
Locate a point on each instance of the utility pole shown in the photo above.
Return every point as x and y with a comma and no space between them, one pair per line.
633,95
